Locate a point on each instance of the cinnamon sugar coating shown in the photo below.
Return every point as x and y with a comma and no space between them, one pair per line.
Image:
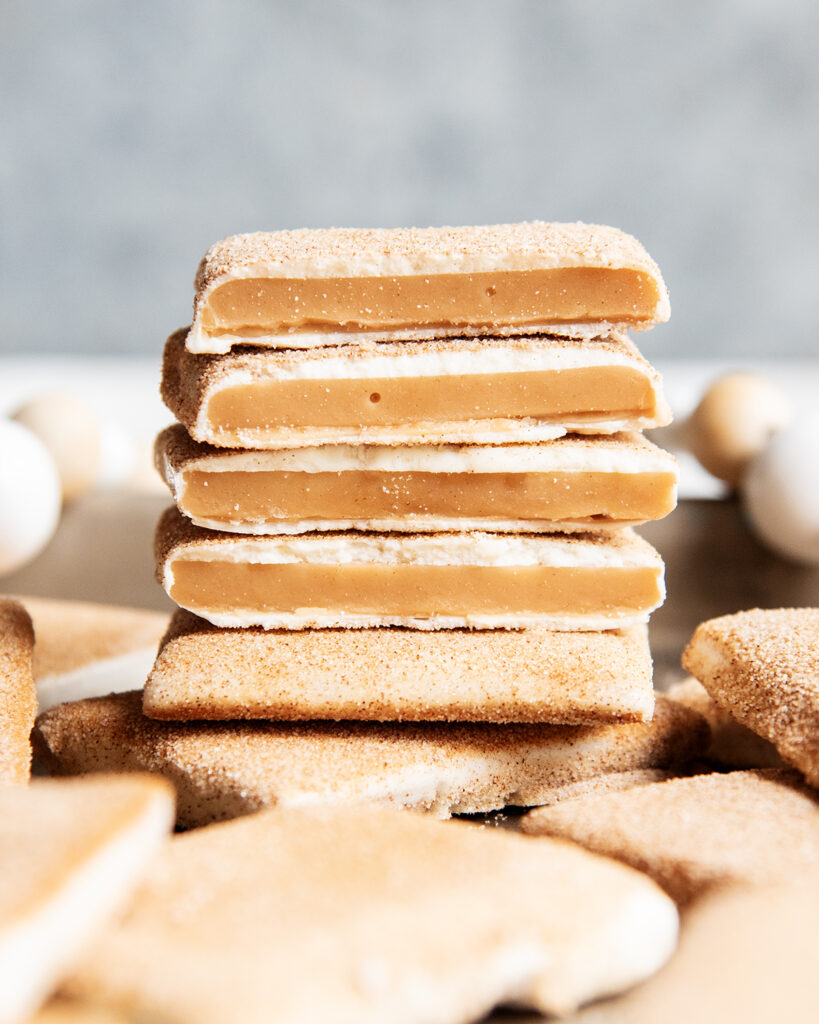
697,834
394,674
732,745
74,634
348,251
223,770
18,697
369,914
72,851
616,782
52,826
85,649
762,667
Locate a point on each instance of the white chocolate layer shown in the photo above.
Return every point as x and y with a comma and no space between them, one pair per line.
477,548
451,458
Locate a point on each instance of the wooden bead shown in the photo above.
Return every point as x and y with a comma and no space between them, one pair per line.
734,421
70,431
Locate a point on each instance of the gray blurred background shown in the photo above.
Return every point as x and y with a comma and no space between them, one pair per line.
136,134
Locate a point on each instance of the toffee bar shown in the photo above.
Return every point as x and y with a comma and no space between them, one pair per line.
469,390
456,675
222,770
319,287
576,483
425,581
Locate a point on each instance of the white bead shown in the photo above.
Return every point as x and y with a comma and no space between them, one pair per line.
30,496
781,492
70,431
117,455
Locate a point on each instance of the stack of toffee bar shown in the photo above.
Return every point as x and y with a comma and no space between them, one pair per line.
405,471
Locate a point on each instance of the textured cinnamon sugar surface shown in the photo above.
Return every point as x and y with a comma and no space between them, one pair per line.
253,384
392,674
316,286
224,770
732,745
697,834
73,634
72,851
52,827
615,782
762,667
342,251
18,697
373,914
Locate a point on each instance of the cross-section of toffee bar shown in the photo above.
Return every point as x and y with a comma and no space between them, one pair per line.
575,483
319,287
477,390
585,581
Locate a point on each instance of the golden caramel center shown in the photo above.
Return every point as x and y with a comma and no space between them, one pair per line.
289,497
391,401
412,590
520,298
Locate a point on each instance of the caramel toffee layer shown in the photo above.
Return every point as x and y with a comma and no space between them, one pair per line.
286,288
590,581
388,401
250,307
393,675
574,482
466,390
